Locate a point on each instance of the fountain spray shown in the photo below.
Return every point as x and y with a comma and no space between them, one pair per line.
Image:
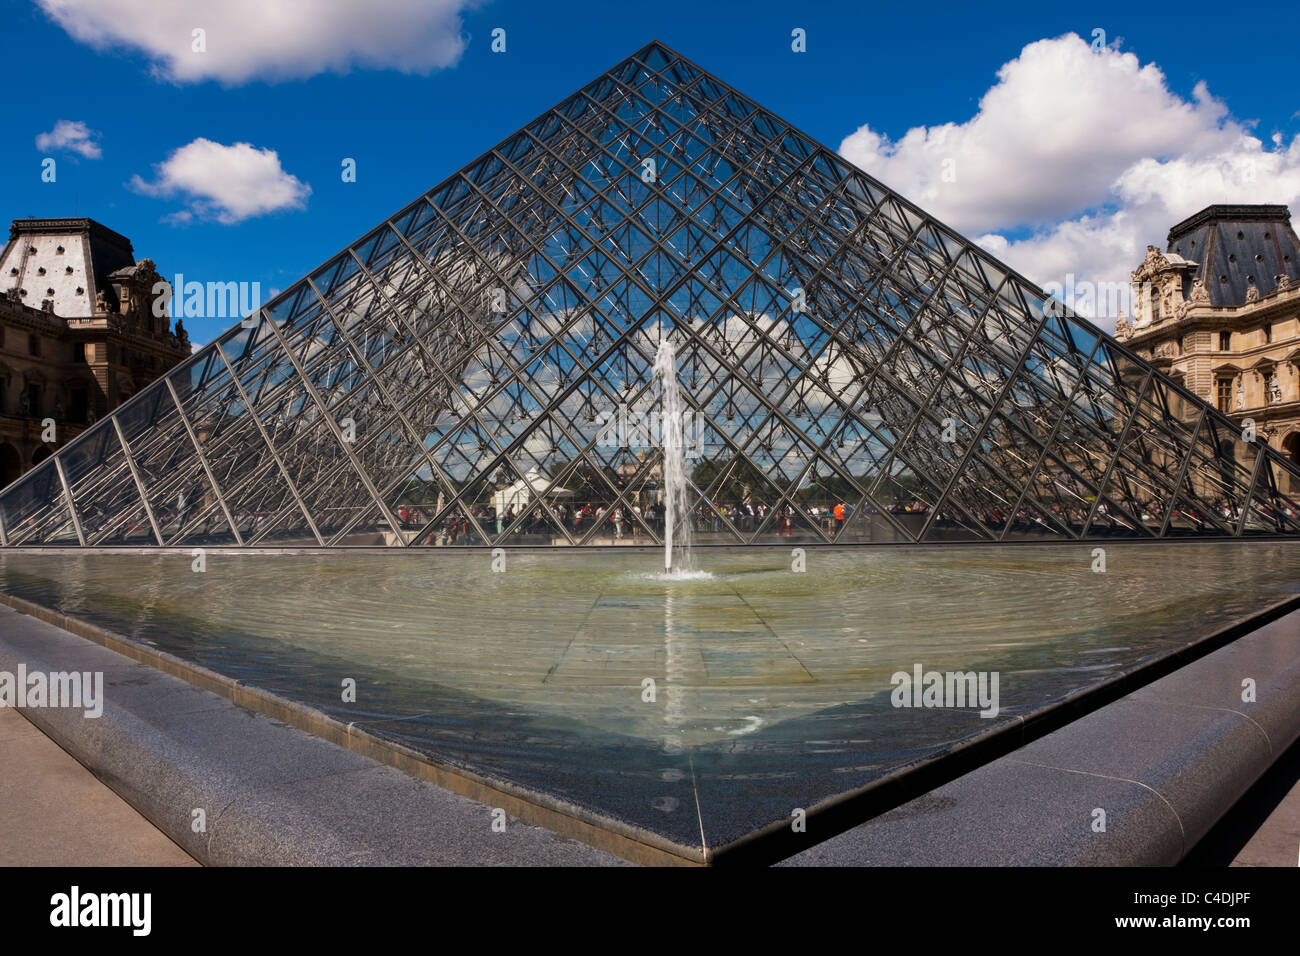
677,518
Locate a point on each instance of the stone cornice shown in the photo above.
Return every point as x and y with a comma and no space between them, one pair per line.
22,316
20,313
68,226
1266,412
1220,317
1230,213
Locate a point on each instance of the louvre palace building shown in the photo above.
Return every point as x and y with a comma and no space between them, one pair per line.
78,334
1220,313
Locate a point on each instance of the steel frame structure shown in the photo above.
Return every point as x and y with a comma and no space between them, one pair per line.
836,345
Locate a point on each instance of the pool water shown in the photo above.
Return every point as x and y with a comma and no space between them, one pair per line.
697,709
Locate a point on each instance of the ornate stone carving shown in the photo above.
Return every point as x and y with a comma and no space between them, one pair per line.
1153,262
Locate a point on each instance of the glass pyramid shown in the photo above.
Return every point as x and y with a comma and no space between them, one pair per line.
476,370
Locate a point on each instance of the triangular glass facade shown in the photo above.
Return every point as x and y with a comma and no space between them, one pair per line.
477,370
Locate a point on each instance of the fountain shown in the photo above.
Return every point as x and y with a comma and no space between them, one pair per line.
677,513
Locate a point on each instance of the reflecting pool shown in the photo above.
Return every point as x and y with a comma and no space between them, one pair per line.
771,687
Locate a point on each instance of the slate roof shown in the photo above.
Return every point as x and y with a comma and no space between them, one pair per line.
1238,246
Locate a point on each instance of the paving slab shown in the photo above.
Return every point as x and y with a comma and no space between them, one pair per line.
54,812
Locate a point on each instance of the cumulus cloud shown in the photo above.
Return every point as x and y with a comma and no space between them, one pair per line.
73,136
1077,159
225,183
247,40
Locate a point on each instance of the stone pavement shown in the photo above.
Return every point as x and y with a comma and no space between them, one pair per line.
1263,829
55,812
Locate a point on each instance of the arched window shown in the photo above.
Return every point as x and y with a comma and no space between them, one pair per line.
11,464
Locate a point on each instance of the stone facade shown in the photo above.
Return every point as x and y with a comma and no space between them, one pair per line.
78,334
1219,310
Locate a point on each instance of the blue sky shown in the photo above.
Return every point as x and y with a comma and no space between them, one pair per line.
892,70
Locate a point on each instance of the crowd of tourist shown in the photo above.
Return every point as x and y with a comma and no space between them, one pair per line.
634,523
620,521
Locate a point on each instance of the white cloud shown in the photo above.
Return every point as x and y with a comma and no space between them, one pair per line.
280,40
1090,153
72,135
225,183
